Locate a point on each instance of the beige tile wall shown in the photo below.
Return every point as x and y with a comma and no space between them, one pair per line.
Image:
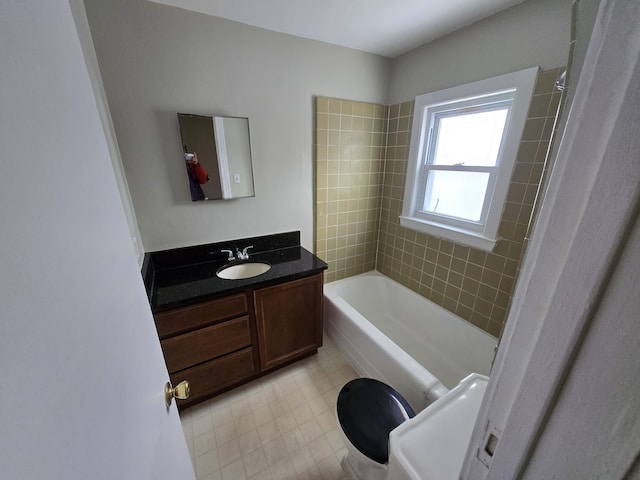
350,147
474,284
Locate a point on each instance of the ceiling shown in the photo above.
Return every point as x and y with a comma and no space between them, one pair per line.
385,27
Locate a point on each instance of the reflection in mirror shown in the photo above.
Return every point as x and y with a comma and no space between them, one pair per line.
217,156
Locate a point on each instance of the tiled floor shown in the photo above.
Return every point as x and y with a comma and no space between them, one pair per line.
281,426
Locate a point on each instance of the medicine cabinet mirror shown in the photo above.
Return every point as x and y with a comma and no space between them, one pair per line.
217,156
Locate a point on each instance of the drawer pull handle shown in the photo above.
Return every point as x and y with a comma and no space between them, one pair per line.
180,391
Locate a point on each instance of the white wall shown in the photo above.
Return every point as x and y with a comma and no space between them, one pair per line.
533,33
84,34
157,60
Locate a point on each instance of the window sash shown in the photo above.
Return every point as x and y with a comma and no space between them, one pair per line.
497,101
450,219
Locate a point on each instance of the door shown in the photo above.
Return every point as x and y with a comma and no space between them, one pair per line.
82,370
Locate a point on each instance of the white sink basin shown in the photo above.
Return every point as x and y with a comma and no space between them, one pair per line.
243,270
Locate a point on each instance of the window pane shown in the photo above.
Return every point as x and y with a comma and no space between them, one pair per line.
470,139
456,194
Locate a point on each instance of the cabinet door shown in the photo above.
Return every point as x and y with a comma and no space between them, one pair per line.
289,319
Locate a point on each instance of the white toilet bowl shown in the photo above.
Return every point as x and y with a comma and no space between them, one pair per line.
359,466
367,411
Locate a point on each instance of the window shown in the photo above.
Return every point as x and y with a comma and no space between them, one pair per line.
463,149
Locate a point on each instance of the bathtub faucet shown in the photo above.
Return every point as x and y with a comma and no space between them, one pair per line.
244,254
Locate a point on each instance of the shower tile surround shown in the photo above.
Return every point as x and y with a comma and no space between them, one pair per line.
362,152
350,148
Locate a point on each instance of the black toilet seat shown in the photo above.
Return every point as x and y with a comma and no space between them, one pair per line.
367,411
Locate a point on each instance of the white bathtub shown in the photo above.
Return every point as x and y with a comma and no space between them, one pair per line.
388,332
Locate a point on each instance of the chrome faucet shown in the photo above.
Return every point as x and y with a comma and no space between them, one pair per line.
244,254
230,253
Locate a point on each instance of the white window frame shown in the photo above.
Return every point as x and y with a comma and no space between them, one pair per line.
483,234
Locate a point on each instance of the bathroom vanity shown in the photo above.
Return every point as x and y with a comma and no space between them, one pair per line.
218,333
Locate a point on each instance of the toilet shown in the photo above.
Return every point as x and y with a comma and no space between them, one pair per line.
386,440
368,410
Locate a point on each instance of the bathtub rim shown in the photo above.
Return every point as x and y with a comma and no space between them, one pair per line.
376,273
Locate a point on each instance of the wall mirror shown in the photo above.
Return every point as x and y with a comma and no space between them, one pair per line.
217,156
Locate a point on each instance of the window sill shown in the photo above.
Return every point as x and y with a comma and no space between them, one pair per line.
455,234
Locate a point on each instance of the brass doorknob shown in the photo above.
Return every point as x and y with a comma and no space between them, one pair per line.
180,391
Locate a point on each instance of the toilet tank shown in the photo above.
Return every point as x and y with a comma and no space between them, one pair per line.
432,445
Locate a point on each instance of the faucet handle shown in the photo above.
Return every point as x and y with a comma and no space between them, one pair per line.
230,253
243,255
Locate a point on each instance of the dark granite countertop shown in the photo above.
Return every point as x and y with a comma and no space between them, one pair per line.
181,277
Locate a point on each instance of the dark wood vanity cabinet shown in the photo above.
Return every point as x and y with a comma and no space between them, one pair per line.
289,320
222,343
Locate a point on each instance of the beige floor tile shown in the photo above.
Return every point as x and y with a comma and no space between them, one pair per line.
251,388
204,443
201,425
302,461
288,385
225,433
335,440
286,423
229,452
199,410
263,475
262,415
220,415
187,427
275,451
302,414
318,405
279,427
293,440
327,421
255,462
249,441
206,464
303,378
310,392
268,432
312,473
217,475
295,398
257,399
311,430
244,423
323,383
279,406
283,470
234,471
330,468
320,449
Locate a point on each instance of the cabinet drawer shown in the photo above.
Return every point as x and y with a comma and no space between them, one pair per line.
189,318
206,343
211,377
